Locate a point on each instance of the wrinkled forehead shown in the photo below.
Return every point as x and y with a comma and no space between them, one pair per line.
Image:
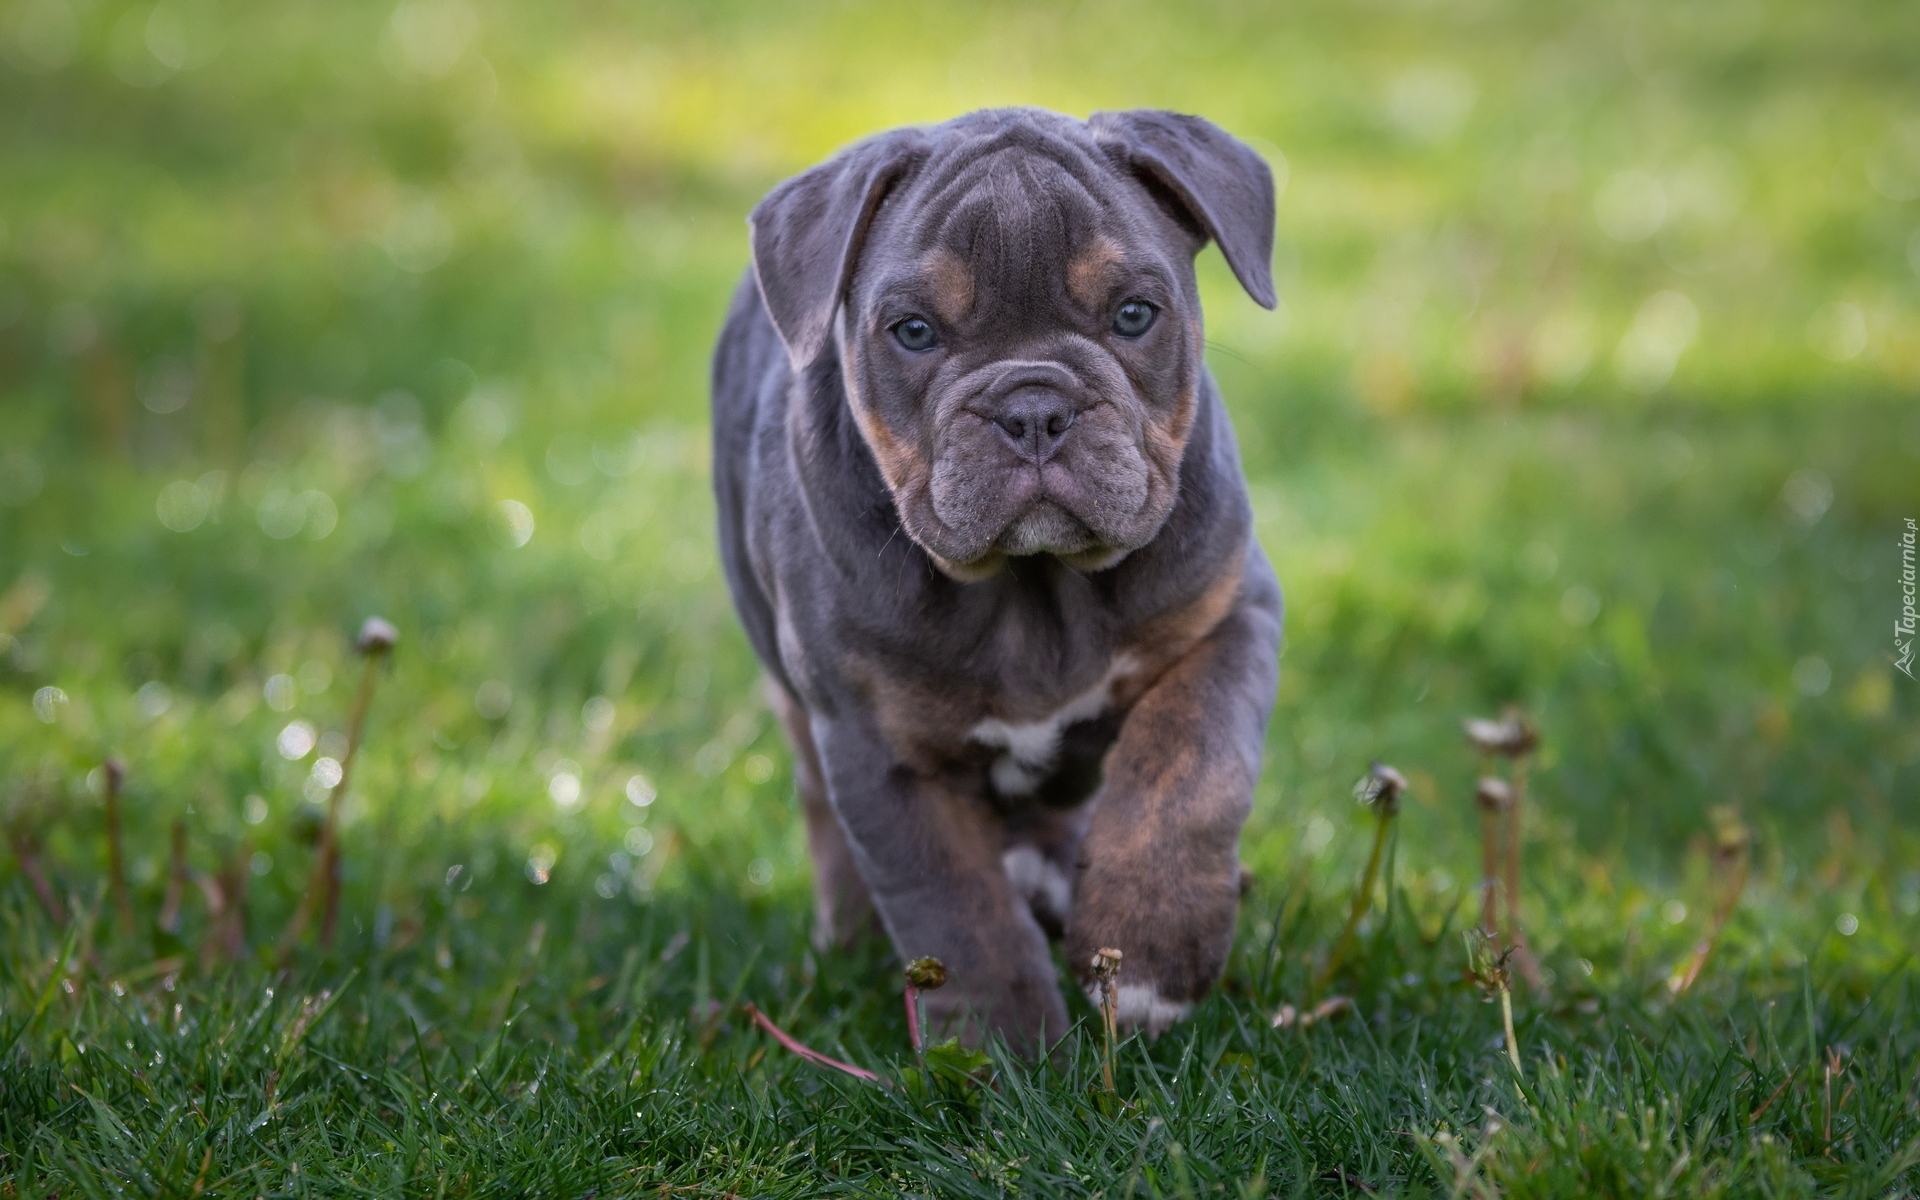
1018,219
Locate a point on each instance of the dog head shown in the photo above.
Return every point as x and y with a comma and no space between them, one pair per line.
1012,298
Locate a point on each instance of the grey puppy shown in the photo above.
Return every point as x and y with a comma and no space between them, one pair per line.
982,515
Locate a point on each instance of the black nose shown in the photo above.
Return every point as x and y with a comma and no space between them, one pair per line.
1036,421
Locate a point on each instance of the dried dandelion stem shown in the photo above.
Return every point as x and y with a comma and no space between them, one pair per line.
323,885
807,1052
913,1018
1506,1019
229,934
923,975
1490,972
1493,797
1510,880
1380,789
27,853
169,920
1513,738
1362,901
115,772
1732,858
1106,968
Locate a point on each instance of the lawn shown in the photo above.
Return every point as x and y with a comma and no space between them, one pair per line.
1592,391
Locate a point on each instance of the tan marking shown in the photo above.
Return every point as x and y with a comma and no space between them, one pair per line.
952,285
984,567
1087,272
1166,639
1164,441
923,725
899,462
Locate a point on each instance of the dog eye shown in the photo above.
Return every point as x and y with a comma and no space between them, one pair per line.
1134,318
914,333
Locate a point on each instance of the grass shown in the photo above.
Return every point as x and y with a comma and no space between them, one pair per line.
1591,392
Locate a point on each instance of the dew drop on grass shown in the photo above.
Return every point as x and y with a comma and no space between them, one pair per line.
296,741
1847,925
640,791
564,786
327,773
47,702
512,523
597,714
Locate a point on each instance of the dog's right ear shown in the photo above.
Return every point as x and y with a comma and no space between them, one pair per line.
808,232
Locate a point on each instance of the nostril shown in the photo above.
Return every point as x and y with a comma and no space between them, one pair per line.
1035,423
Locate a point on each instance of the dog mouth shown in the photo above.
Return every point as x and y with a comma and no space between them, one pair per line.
1045,528
1087,500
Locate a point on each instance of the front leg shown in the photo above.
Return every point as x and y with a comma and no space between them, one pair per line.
1159,869
930,853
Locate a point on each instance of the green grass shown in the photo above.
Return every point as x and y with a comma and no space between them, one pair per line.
1591,390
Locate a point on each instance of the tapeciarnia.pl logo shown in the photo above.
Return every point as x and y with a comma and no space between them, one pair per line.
1903,627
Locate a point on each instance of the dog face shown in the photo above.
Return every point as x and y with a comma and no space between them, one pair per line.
1013,303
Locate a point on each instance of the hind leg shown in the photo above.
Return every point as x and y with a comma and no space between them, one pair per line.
843,911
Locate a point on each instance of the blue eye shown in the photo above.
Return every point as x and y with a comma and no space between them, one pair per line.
914,334
1134,318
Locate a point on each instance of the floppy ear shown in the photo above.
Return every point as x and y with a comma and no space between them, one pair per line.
808,231
1225,187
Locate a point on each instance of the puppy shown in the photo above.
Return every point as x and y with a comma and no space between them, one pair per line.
983,518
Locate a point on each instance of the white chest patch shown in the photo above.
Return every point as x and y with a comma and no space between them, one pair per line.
1031,747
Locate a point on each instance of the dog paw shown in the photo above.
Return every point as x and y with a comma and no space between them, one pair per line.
1141,1006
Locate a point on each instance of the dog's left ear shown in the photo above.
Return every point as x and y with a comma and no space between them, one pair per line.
808,231
1225,187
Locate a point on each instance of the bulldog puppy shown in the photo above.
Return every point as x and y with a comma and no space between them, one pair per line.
983,518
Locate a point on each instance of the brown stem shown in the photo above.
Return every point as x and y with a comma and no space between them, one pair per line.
1362,898
330,836
1109,1026
330,906
323,885
28,853
1516,935
229,936
807,1052
1490,822
1511,877
1722,912
176,879
116,772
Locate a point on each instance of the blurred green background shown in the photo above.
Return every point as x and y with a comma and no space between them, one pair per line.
1592,389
